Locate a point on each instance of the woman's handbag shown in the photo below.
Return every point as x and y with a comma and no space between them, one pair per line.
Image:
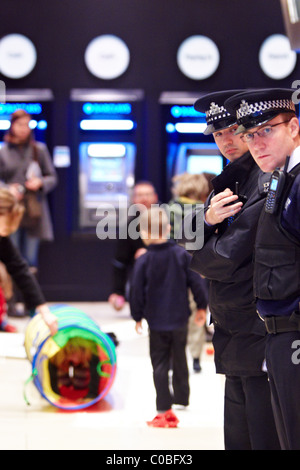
32,203
33,209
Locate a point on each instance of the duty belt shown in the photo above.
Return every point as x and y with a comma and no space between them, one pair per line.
278,324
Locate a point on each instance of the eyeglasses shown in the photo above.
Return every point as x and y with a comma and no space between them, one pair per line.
264,132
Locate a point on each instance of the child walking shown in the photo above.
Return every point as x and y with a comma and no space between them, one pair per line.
159,294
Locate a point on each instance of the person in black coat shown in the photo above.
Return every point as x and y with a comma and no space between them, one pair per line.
11,213
231,217
159,294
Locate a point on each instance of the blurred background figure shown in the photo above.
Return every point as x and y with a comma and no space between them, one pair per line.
189,190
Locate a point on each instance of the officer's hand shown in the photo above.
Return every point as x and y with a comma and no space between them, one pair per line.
218,211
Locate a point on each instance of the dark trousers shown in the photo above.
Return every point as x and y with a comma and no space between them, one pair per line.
248,417
168,350
283,363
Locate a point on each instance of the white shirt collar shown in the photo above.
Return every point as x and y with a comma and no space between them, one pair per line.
294,159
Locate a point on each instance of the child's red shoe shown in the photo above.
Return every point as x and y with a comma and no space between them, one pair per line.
164,420
171,419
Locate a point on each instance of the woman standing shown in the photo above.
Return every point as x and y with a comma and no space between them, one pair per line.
26,167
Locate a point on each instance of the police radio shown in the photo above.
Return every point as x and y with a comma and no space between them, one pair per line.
241,198
275,189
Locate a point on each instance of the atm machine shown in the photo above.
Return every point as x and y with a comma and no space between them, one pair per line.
186,148
38,103
106,141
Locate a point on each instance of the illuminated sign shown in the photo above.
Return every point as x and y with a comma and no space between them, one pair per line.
107,57
276,58
106,108
33,124
185,111
31,108
106,125
17,56
186,127
198,57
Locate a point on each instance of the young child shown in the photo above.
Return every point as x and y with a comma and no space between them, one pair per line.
187,190
159,294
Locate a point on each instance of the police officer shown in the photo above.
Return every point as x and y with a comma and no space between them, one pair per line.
270,127
226,261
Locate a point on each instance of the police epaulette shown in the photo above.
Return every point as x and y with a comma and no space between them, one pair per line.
264,183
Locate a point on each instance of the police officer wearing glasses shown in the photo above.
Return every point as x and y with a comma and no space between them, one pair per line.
269,125
231,217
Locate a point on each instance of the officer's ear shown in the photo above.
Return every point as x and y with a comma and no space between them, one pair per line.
294,127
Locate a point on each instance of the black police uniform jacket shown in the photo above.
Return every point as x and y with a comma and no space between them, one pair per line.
277,254
226,260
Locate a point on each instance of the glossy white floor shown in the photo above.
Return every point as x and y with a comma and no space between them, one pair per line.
119,421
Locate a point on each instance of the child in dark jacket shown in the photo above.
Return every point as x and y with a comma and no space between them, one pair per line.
159,294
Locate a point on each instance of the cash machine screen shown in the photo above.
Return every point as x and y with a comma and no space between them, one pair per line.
106,176
204,164
106,169
197,158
